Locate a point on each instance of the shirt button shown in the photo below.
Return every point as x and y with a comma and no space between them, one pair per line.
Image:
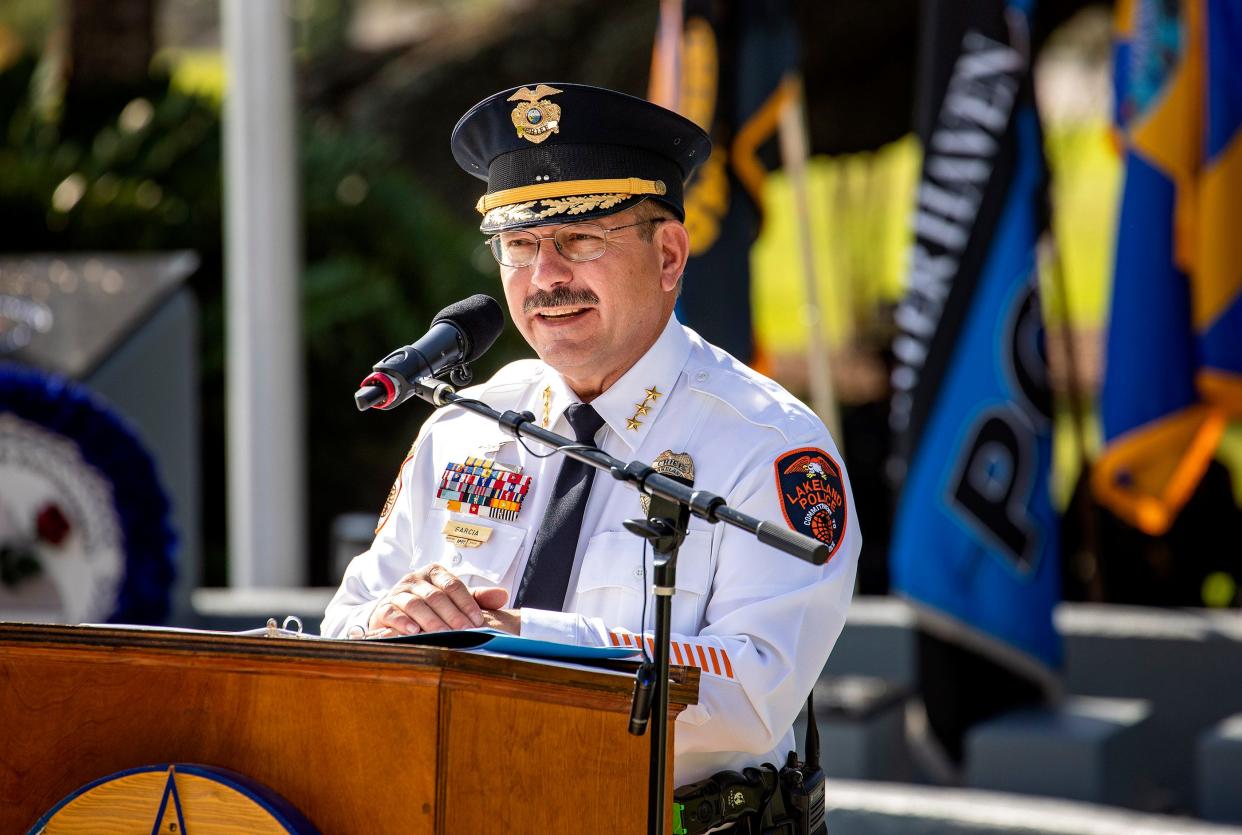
702,377
456,560
638,572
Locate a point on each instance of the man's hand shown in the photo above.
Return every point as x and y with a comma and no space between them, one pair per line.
506,620
433,599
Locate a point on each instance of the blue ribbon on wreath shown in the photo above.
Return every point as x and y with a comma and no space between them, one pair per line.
111,447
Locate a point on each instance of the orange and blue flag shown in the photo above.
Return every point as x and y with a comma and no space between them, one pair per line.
1173,378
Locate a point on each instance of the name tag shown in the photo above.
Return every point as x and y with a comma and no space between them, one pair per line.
465,535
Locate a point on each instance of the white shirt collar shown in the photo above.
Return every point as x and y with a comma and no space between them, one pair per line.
630,405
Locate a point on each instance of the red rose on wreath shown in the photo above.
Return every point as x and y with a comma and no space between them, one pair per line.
51,525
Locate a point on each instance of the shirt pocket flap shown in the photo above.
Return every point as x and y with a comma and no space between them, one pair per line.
489,562
613,559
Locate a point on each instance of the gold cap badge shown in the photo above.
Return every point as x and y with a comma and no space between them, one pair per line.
672,464
535,117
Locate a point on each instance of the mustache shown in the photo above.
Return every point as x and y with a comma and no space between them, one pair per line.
560,297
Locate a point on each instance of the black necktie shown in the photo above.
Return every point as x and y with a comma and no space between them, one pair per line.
552,556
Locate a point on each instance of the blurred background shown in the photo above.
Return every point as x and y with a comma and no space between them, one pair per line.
989,242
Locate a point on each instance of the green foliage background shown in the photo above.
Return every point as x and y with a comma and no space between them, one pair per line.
382,256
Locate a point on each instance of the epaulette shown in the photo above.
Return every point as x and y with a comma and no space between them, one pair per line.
755,398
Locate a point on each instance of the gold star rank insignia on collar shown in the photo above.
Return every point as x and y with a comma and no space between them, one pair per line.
642,409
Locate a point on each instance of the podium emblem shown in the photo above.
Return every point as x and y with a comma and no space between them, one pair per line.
175,799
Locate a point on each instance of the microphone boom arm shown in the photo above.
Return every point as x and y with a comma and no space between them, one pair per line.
702,504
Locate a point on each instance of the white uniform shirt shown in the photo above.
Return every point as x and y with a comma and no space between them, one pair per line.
758,623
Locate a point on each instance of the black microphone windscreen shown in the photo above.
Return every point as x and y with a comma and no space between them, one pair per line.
479,318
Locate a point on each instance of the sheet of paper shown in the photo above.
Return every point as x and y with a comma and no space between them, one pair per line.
494,640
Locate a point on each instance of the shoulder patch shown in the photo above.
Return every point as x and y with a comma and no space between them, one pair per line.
813,495
391,501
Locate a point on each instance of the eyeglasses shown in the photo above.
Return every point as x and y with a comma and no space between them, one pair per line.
576,241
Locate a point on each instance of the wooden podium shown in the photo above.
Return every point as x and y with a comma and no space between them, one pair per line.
359,737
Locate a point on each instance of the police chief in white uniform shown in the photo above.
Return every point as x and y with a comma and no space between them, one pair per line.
584,204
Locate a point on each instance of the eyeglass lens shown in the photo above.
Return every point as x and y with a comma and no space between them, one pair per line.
577,242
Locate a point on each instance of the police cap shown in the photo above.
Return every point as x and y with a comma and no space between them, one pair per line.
555,153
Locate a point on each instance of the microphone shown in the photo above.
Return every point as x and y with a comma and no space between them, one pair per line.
640,702
460,333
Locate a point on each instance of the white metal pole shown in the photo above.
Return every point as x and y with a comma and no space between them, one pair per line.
266,468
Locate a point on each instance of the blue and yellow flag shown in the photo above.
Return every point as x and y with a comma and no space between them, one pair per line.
1174,361
733,77
975,544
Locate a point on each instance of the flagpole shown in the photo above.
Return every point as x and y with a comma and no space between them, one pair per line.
665,87
794,155
1080,500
